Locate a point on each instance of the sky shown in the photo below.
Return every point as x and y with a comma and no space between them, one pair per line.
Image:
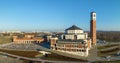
57,15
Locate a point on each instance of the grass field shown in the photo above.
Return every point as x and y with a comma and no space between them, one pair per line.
107,62
110,52
30,54
5,39
107,46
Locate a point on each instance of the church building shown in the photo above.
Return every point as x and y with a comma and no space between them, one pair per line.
75,40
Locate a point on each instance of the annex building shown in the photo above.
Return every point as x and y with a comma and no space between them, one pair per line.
27,39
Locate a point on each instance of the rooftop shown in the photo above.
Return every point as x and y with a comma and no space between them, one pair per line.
74,27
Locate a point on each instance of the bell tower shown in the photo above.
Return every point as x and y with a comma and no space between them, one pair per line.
93,27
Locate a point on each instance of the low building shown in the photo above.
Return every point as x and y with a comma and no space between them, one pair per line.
28,38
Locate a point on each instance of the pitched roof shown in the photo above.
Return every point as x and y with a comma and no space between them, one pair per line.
74,28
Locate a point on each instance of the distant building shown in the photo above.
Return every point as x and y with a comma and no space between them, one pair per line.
13,32
28,38
75,41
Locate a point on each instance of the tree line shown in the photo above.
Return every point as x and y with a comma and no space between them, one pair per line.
109,36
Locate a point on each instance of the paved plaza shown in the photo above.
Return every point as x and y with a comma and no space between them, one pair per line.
13,46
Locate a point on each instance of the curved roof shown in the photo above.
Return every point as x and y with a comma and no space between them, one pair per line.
74,28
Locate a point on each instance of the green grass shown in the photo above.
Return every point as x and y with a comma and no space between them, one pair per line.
108,52
5,39
30,54
107,46
107,62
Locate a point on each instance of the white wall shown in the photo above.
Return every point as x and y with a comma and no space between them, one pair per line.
69,36
93,16
75,31
81,36
78,31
